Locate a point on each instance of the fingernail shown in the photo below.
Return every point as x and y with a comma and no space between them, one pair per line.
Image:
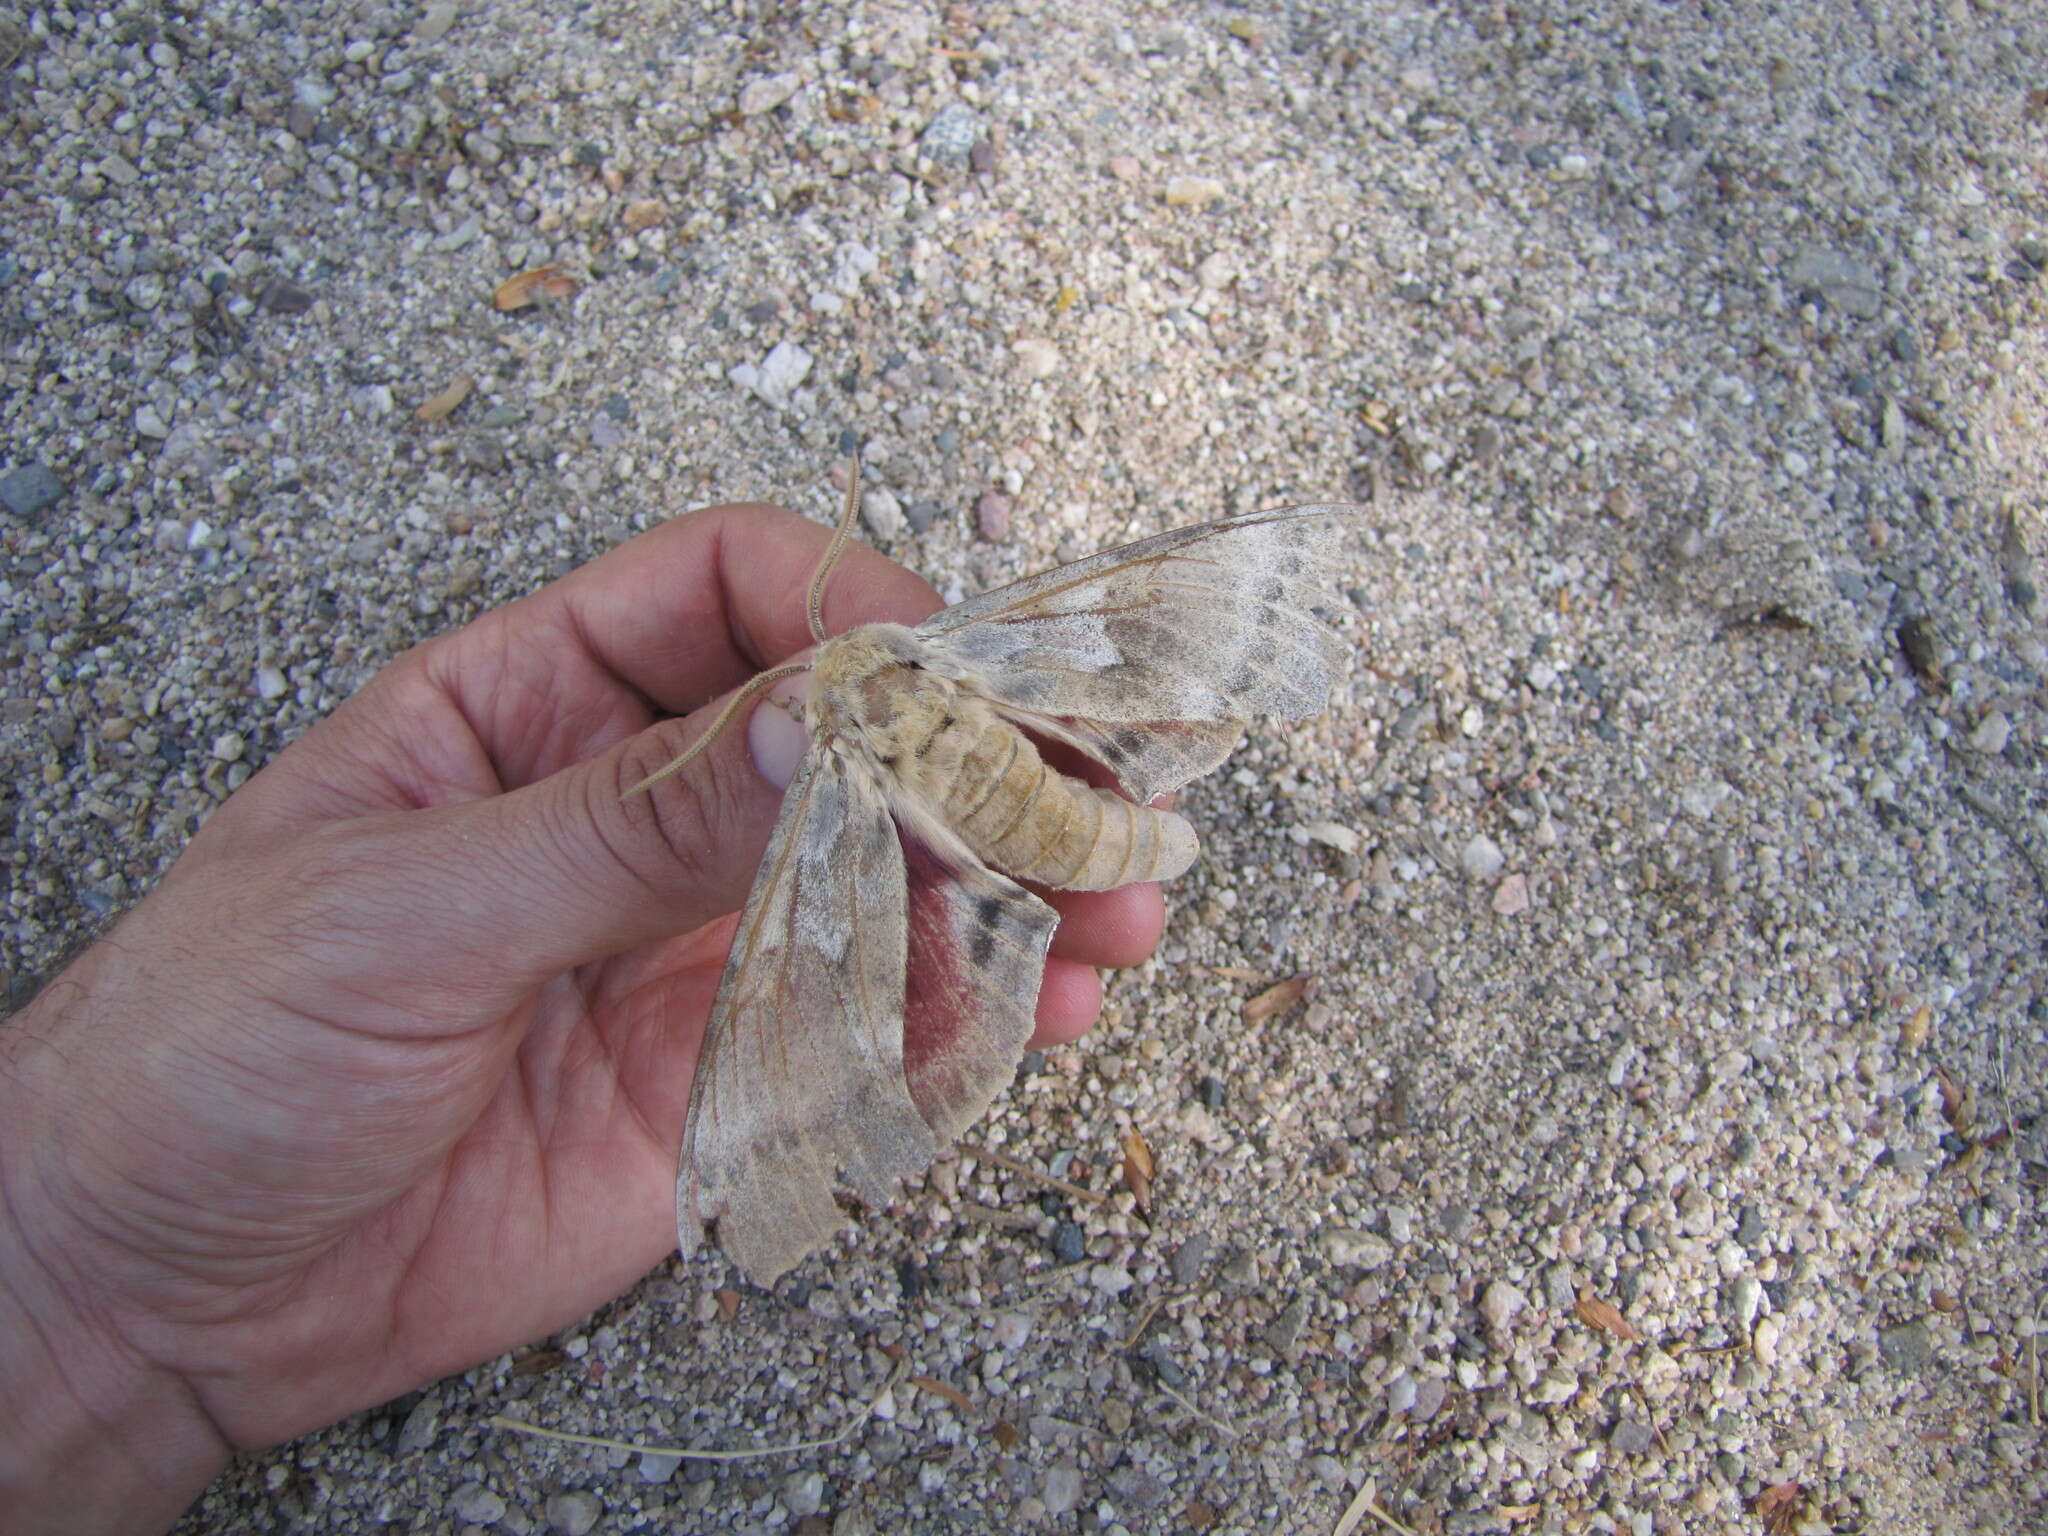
775,737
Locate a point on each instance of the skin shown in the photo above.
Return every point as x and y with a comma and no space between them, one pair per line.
388,1074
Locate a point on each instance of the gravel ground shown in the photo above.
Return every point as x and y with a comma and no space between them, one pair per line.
1659,1145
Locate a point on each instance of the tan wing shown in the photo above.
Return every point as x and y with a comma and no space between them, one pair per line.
1153,654
800,1085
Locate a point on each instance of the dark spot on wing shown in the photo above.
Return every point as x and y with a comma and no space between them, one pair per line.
1113,751
988,919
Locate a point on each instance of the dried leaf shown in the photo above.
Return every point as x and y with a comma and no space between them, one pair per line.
1778,1505
1955,1104
1138,1169
728,1302
1276,999
1605,1316
1008,1436
644,214
1944,1302
533,286
539,1362
1914,1032
938,1388
440,407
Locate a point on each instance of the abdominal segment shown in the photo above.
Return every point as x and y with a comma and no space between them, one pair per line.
989,784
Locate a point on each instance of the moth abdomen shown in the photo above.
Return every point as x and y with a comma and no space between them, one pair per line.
1026,818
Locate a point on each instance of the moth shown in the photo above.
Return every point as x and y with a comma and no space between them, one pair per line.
881,986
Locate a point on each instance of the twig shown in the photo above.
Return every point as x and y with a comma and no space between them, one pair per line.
1144,1322
1004,1160
598,1442
2034,1367
1367,1503
1207,1418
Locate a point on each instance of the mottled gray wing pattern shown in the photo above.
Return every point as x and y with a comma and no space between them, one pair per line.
1155,652
801,1085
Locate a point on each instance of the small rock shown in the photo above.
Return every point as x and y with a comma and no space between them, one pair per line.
282,298
1037,358
228,748
29,489
852,266
1481,859
149,424
1907,1347
922,513
883,513
1286,1328
1511,896
474,1504
992,516
951,135
658,1466
1192,191
120,170
1190,1258
1852,286
1348,1247
803,1493
779,375
1552,1388
1632,1437
1332,834
1012,1330
1701,800
431,28
418,1430
766,93
1991,734
1429,1397
1500,1304
1401,1394
573,1513
1745,1299
1069,1245
1062,1488
270,683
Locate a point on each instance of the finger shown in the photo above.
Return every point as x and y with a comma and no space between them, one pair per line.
677,615
1069,1002
1108,928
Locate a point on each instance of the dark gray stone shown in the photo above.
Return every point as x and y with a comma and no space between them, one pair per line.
29,489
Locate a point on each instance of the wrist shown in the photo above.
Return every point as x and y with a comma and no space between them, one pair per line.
94,1436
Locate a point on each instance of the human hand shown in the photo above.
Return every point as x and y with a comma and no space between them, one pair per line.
389,1073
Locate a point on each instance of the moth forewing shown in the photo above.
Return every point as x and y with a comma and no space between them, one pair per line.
882,983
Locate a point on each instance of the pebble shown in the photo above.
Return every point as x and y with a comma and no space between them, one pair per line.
852,266
949,138
778,376
921,513
765,93
658,1467
1906,1347
992,516
1037,358
229,747
1192,191
120,170
1701,800
424,1421
1069,1243
883,513
1500,1303
29,489
803,1493
1848,283
1481,858
1352,1248
433,25
573,1513
475,1504
270,683
1062,1491
149,424
1631,1437
1190,1258
1991,735
1511,896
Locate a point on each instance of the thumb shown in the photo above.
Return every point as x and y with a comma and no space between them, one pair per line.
575,867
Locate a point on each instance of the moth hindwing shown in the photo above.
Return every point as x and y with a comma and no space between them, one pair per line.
882,984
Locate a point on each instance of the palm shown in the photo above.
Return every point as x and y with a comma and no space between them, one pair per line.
397,1058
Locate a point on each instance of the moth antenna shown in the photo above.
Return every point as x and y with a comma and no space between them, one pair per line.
814,603
696,748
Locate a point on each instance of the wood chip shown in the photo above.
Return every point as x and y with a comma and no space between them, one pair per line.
1276,999
539,1362
532,287
1914,1032
1008,1436
1778,1506
1605,1316
938,1388
1138,1169
728,1302
440,407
